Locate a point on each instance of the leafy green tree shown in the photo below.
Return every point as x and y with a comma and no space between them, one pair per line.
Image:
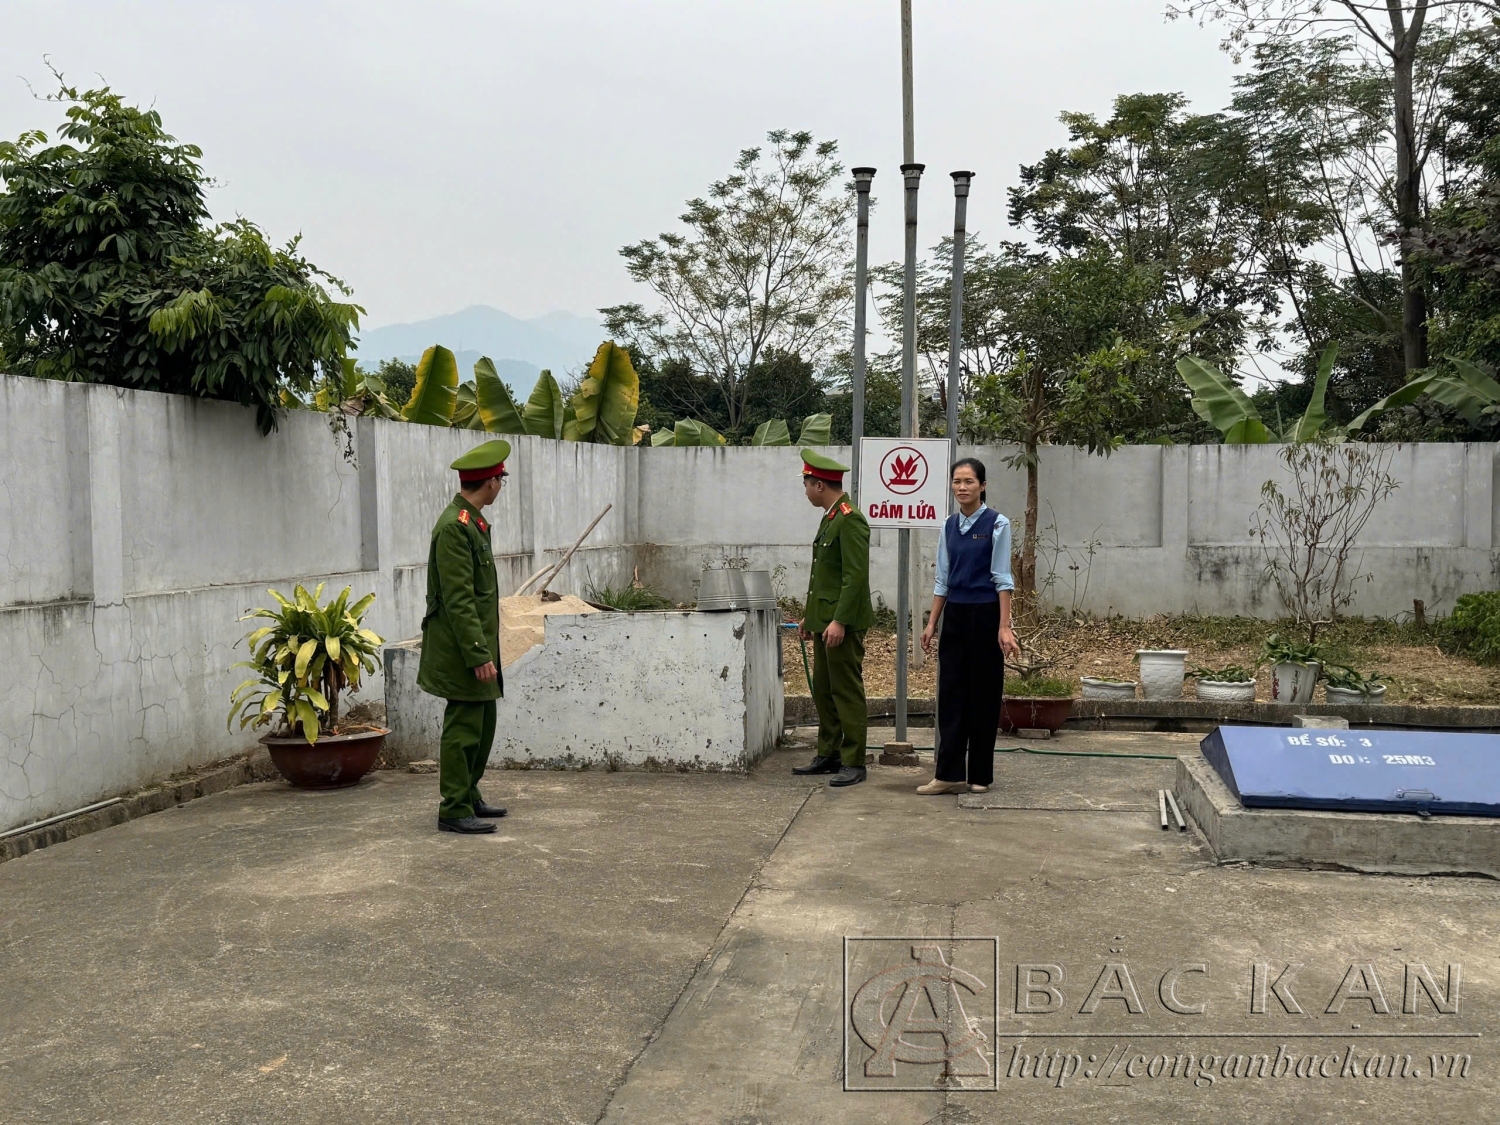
1079,355
1397,52
110,273
760,270
1165,190
400,378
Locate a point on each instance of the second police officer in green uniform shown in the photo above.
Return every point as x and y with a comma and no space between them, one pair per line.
838,613
461,638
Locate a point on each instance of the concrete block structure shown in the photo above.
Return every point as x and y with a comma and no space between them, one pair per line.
664,690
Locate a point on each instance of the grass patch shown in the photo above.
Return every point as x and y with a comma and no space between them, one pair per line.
1043,687
627,599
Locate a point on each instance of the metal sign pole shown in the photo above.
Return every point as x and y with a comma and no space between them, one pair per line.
862,178
955,355
913,176
956,315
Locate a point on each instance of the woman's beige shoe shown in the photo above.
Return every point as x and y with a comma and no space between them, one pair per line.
936,786
979,789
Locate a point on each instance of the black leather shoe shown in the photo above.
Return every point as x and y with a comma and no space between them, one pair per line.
829,764
469,824
489,811
849,775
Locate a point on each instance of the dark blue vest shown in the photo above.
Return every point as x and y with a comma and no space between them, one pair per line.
970,581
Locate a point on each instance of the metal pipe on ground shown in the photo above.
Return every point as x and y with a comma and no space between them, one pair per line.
59,818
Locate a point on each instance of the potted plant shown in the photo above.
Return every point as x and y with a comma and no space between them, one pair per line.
1162,671
303,661
1095,687
1038,703
1294,668
1343,684
1229,684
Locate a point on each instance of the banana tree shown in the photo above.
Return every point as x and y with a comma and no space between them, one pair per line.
688,431
605,406
817,429
545,412
435,393
358,392
773,432
1471,393
1219,401
493,406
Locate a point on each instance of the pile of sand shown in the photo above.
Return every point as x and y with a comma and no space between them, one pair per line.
523,622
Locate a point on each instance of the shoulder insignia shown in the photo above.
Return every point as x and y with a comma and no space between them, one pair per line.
844,507
463,515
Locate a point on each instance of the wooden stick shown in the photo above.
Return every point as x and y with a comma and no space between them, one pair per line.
556,570
522,588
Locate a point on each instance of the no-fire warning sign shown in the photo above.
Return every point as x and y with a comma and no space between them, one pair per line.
903,482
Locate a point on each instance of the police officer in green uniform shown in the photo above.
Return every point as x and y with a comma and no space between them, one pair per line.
461,638
838,613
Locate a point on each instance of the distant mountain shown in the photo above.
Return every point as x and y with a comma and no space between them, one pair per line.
560,341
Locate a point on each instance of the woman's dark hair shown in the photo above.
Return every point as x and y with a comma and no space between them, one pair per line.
971,463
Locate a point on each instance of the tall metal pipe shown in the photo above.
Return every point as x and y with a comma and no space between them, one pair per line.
862,178
908,127
912,174
956,315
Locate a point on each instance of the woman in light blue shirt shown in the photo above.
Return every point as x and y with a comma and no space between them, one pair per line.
972,600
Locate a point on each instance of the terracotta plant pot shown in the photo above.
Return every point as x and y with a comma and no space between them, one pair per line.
334,761
1033,712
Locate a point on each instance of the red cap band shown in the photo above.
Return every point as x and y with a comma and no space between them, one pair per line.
834,475
474,476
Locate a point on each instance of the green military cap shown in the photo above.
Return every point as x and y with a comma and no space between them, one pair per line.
822,466
483,461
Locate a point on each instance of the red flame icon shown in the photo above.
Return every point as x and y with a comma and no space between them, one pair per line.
903,470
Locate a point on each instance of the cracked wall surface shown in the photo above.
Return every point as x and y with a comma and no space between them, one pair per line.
136,528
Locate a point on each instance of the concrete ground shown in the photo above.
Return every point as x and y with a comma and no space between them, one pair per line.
671,948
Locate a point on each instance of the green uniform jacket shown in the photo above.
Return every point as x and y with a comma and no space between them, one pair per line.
839,588
461,630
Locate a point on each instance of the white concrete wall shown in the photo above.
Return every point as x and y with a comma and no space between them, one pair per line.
671,690
135,528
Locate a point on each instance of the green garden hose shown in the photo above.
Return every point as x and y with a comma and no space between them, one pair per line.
1007,749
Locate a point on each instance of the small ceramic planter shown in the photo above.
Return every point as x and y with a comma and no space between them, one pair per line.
1225,691
1353,696
1162,672
1294,683
1094,688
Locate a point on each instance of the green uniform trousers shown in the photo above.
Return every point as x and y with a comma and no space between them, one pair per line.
838,690
468,733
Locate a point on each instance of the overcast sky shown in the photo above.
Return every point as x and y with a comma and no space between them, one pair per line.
443,154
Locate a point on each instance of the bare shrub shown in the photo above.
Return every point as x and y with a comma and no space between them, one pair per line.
1308,529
